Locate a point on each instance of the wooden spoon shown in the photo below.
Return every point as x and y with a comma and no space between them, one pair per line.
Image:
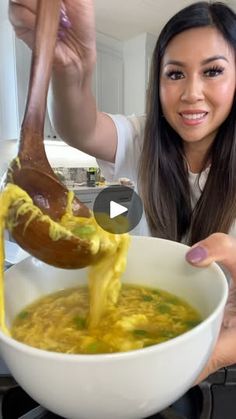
32,171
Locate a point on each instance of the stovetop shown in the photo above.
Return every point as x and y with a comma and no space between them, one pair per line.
17,404
212,399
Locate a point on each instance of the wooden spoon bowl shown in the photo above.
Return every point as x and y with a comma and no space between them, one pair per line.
47,193
65,253
31,169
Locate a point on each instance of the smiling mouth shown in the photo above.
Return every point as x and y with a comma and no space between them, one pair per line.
193,116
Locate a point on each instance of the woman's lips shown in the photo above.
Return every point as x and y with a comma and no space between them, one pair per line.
193,118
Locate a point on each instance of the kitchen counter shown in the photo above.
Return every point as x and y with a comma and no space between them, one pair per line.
87,194
85,187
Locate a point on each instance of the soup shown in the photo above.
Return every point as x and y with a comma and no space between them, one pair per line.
104,274
102,318
141,317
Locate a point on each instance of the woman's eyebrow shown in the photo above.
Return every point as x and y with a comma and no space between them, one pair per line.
214,58
203,62
174,62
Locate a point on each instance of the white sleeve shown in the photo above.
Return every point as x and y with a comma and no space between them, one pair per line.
130,131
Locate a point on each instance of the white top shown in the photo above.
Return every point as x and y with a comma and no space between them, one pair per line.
130,132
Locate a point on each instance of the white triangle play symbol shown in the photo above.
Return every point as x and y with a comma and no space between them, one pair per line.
116,209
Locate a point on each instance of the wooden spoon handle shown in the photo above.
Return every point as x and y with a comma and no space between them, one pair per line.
32,130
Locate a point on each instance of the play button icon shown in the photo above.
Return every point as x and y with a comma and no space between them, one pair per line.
118,209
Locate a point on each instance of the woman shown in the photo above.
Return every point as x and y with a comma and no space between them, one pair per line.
182,154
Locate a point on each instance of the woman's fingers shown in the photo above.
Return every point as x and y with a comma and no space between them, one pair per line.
224,353
218,247
29,4
22,17
20,10
221,248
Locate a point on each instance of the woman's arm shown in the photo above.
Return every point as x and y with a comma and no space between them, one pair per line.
73,107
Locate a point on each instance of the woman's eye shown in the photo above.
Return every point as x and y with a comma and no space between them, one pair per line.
175,75
213,72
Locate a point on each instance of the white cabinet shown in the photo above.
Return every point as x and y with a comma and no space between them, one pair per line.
107,82
8,92
87,195
109,75
137,61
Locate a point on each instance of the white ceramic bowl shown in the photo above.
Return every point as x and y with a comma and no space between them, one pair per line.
127,385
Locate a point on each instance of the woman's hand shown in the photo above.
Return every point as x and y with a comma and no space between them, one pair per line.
76,45
221,248
72,106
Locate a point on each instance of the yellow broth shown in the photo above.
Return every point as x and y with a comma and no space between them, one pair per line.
141,317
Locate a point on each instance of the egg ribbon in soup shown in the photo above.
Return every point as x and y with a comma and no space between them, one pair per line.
141,317
104,274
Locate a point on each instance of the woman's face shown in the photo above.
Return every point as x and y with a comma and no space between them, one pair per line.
197,84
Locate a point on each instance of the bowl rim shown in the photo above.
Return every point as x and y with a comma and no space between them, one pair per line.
112,357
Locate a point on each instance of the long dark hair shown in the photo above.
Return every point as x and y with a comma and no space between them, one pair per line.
163,176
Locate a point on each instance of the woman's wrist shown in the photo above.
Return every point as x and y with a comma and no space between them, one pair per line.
71,76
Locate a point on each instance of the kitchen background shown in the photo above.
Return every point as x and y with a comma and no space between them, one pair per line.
126,35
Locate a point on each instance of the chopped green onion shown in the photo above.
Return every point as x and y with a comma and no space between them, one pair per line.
23,314
140,332
80,322
92,348
147,298
191,323
173,300
83,231
163,308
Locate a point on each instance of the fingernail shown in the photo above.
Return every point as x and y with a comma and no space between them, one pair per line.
65,23
197,254
64,20
61,35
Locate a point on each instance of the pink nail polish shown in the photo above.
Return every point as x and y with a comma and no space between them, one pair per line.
196,255
64,20
65,23
61,35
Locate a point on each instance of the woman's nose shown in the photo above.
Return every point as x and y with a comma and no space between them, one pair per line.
192,91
